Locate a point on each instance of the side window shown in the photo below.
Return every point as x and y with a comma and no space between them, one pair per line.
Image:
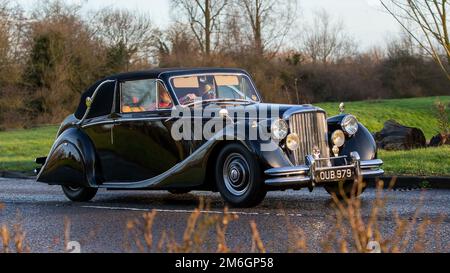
103,101
164,99
138,96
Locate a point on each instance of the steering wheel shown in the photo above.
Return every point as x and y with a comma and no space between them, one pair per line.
189,98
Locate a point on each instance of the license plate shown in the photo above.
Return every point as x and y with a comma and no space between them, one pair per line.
335,175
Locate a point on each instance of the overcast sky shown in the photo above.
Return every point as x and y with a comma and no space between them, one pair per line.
365,20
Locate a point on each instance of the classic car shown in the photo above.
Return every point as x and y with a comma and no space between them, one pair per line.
121,137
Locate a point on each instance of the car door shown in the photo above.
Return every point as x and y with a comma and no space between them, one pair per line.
142,132
98,125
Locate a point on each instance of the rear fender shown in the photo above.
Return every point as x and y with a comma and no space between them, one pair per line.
71,161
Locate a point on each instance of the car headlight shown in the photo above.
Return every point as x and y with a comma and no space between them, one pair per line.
279,129
338,138
350,125
293,142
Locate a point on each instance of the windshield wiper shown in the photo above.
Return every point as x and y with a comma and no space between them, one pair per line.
220,100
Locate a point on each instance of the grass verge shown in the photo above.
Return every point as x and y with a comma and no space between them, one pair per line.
420,162
19,148
416,112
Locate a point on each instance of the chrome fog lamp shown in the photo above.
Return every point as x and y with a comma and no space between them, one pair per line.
293,142
350,125
338,138
279,129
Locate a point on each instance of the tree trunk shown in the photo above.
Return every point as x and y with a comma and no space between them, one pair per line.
207,28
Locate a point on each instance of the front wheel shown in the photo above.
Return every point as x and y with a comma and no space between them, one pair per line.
239,177
79,194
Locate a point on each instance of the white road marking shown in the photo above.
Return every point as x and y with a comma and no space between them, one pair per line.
188,211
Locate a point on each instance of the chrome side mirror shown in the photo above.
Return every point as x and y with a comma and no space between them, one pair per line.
223,113
88,102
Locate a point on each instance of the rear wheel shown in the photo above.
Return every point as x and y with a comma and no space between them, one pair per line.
346,189
79,194
239,177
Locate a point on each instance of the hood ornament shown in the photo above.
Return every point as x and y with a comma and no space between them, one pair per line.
316,152
342,108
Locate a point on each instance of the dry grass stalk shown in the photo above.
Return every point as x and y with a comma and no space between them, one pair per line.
5,238
353,233
199,227
257,243
16,237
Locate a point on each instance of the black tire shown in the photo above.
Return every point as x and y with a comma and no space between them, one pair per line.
179,192
79,194
345,190
239,178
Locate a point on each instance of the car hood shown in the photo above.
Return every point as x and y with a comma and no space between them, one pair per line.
283,111
286,110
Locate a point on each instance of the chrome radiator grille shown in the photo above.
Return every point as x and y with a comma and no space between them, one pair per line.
312,129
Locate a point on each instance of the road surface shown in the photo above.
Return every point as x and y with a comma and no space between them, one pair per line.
101,226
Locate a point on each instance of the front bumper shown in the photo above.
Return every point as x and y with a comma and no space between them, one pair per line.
305,175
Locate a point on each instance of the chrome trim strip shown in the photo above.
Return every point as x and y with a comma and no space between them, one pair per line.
289,181
372,173
286,171
371,164
98,123
88,110
122,119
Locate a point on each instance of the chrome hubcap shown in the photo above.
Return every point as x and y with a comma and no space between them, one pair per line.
236,174
73,188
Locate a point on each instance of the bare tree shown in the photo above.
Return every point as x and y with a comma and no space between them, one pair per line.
121,28
269,21
326,41
204,18
427,23
177,46
12,38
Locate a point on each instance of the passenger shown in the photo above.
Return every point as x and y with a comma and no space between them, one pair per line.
165,101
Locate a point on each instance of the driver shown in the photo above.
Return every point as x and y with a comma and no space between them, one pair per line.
208,93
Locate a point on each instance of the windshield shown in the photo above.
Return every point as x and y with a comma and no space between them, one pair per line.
198,88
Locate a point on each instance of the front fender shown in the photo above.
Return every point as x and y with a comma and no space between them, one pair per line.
71,161
267,152
363,142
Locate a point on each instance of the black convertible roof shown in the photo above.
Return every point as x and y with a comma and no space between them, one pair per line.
157,73
152,73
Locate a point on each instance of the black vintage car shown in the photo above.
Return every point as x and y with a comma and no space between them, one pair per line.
123,137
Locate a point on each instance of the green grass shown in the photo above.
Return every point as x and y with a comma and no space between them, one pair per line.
420,162
416,112
19,148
